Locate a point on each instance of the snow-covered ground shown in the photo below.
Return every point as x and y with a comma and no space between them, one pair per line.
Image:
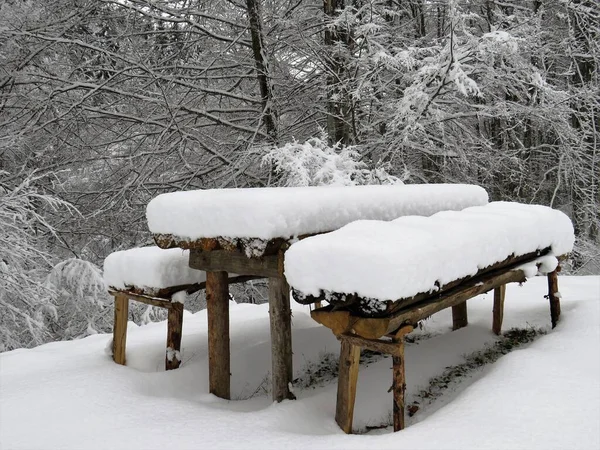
544,395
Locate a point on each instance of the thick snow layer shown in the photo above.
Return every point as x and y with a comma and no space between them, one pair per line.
267,213
150,268
410,255
544,396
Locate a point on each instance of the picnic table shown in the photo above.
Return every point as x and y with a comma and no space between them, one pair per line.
248,231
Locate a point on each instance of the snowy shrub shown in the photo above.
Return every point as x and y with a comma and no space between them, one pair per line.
83,305
314,163
25,301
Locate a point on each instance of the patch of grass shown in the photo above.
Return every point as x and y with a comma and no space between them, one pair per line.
318,373
510,340
325,370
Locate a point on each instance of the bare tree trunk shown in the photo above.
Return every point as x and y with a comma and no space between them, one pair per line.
269,116
339,105
586,119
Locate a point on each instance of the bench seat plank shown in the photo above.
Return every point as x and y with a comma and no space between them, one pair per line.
375,263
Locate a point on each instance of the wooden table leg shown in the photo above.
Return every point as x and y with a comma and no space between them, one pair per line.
120,328
280,316
346,389
217,305
553,296
459,316
399,384
174,331
498,311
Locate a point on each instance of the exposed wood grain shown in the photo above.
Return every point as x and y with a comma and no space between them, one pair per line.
235,262
270,247
369,327
146,299
174,333
146,295
120,328
164,240
346,389
399,384
375,345
337,321
553,297
459,294
372,328
217,303
280,315
498,311
402,331
459,316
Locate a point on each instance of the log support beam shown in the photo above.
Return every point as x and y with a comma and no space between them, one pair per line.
280,315
340,321
399,384
554,296
174,325
217,304
174,333
498,311
459,316
351,346
235,262
120,328
346,389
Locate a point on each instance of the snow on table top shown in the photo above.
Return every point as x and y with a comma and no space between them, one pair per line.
407,256
267,213
150,268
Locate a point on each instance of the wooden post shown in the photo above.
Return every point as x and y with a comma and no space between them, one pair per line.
280,316
399,385
174,330
346,392
498,311
217,305
459,316
120,328
553,297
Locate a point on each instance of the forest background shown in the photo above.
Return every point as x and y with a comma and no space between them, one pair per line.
105,104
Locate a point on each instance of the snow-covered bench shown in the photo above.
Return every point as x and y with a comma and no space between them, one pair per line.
381,278
247,231
156,277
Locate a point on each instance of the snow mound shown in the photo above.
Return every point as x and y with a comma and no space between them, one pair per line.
150,268
268,213
411,255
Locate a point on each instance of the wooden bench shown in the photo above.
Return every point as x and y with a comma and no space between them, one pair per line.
373,321
155,277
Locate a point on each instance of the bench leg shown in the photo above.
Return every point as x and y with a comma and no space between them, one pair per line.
217,305
459,316
399,385
346,392
174,330
553,297
498,311
120,328
280,315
